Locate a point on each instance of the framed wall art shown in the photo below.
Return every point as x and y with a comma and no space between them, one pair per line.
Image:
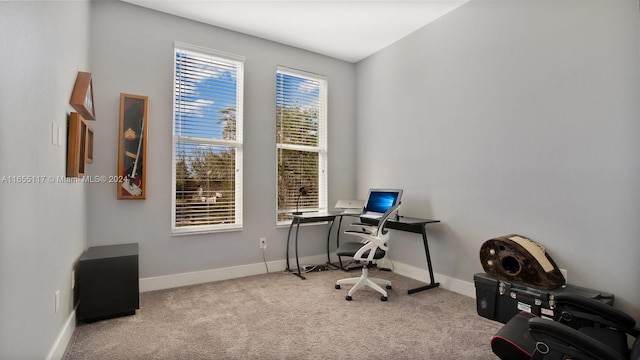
76,145
82,96
132,146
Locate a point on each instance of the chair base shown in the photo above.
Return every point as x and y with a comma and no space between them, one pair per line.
365,280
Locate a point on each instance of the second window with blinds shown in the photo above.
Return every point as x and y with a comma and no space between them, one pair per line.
207,140
301,142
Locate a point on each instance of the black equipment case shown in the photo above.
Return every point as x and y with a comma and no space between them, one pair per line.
501,300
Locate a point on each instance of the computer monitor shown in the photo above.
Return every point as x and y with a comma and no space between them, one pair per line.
380,200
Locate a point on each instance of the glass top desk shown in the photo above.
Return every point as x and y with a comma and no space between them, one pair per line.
408,224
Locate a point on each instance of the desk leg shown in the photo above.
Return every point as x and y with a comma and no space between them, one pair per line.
433,283
288,242
329,240
338,243
298,274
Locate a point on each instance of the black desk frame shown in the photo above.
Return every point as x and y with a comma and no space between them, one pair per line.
307,218
416,226
412,225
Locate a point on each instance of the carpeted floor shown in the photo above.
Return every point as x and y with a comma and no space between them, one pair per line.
279,316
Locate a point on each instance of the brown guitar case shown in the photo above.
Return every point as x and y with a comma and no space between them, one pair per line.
519,259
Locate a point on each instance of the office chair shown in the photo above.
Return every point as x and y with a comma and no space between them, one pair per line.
582,329
372,247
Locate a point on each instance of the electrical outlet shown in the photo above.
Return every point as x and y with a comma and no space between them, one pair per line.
263,243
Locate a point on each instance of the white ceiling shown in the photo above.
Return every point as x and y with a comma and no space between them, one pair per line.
346,30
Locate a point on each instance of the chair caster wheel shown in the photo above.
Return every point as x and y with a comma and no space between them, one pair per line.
349,298
388,287
383,298
337,286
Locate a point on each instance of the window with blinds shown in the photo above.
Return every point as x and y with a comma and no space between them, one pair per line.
301,141
207,140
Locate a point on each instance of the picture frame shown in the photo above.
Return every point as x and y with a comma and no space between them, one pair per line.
82,96
76,145
132,146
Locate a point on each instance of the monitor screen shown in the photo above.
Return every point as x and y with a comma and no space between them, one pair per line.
380,200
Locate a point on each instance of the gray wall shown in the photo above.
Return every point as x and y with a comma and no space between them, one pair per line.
132,52
42,226
513,117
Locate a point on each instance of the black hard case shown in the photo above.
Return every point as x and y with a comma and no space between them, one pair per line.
501,300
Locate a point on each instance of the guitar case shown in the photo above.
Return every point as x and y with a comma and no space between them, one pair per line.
520,259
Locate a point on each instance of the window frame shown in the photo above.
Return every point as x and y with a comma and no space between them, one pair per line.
321,149
238,62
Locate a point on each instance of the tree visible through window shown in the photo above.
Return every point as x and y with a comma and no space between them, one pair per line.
301,136
207,138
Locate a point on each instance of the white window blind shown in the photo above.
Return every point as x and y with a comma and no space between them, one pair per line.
301,137
207,140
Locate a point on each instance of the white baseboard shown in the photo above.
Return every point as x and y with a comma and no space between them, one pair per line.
205,276
198,277
62,341
452,284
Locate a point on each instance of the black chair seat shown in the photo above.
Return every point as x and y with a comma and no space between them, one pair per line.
351,248
616,340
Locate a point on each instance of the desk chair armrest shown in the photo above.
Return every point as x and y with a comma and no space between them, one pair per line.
569,307
362,224
366,228
357,232
564,339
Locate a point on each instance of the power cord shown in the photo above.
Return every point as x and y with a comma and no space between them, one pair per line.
264,259
312,268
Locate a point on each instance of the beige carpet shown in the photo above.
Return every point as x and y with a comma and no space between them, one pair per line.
279,316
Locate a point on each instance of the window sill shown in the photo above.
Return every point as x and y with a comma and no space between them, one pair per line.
204,230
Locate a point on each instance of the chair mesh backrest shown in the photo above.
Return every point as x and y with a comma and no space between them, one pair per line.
385,217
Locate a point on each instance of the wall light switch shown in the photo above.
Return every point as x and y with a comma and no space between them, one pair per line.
55,133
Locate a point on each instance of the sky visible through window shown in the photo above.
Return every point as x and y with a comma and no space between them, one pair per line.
306,91
205,89
298,103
